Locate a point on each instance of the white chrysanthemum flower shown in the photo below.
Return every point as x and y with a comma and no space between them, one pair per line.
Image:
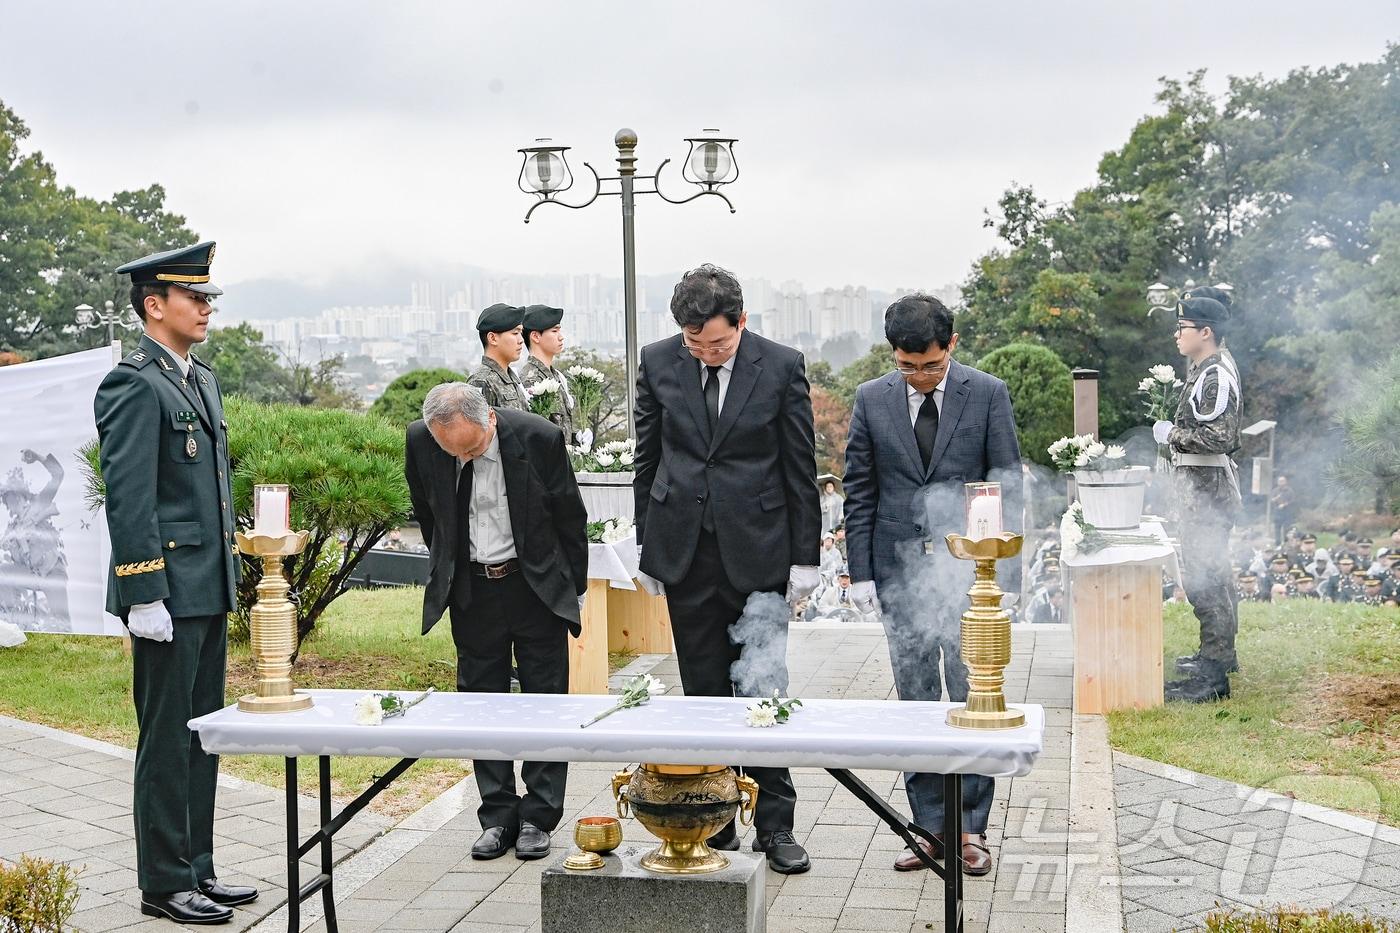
616,530
1082,460
1115,452
655,687
605,459
543,387
1070,534
1096,449
1146,384
1163,372
585,372
760,717
626,458
369,711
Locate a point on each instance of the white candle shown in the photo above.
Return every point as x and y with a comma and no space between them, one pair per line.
984,517
271,510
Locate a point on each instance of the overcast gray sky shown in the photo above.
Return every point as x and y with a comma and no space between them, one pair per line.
316,140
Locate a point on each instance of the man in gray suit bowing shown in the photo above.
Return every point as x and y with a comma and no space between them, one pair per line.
917,435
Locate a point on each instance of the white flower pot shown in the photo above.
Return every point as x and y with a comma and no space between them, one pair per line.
607,495
1112,499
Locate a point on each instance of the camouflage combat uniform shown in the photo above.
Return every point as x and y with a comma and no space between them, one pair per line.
536,371
1205,431
501,388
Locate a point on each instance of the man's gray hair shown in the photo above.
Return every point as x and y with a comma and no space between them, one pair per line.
450,399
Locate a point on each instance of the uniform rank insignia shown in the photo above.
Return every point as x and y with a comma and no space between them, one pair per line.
164,364
191,446
186,417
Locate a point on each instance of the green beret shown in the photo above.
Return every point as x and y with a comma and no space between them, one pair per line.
542,317
498,318
187,267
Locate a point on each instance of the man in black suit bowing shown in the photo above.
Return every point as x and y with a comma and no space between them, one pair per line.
727,503
508,560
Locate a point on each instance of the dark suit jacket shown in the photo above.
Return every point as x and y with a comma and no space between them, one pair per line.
164,459
547,517
893,504
759,469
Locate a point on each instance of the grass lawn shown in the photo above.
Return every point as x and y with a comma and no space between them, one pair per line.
1315,710
368,639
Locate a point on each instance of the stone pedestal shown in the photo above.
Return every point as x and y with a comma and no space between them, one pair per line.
623,897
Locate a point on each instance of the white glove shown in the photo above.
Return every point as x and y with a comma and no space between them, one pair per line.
863,595
151,620
1160,430
584,439
582,597
802,581
652,585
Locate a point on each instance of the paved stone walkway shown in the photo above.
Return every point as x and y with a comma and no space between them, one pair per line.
68,798
1188,842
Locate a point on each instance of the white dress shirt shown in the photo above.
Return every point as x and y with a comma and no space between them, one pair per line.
916,398
490,539
726,369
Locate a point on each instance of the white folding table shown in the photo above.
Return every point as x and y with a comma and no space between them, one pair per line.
837,735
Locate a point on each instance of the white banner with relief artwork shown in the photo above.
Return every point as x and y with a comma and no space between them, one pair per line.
54,550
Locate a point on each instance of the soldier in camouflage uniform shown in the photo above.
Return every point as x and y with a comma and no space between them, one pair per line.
501,342
1203,434
544,339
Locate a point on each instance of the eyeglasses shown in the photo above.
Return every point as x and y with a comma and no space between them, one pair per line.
909,369
712,348
1180,327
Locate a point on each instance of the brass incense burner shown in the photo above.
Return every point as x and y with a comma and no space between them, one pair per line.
986,635
683,806
595,836
272,625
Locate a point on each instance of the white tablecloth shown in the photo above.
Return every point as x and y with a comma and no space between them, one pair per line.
616,562
879,734
1162,552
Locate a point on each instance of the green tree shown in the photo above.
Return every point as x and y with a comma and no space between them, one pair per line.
1042,395
402,401
878,361
1371,420
246,365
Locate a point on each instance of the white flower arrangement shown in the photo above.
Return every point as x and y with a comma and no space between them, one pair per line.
638,691
1082,452
1161,391
616,529
770,711
1077,536
373,708
585,374
613,456
543,397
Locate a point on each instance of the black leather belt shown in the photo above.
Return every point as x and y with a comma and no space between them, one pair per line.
495,571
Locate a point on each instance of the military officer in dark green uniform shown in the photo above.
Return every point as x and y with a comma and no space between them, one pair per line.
501,342
544,339
164,458
1202,435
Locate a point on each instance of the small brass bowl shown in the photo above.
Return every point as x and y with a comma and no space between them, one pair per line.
599,834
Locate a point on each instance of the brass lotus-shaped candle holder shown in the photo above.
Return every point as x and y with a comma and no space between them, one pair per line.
986,635
272,625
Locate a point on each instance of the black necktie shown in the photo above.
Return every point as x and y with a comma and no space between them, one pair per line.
712,396
926,428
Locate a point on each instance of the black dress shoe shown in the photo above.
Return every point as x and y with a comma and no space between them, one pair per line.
785,855
532,842
494,842
726,839
230,895
189,907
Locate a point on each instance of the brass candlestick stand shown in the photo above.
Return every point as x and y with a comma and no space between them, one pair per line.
986,636
272,626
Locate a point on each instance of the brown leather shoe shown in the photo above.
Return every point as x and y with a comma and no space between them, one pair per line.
911,862
977,860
